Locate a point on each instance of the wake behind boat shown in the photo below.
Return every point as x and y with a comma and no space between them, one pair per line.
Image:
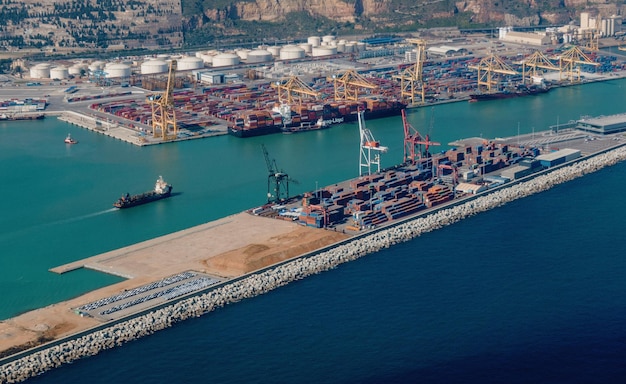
161,190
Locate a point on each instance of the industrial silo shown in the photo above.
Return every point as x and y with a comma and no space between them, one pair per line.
323,51
307,47
154,66
77,69
96,66
328,39
117,70
242,53
290,52
314,41
59,72
189,63
40,71
225,60
350,47
259,56
274,50
207,58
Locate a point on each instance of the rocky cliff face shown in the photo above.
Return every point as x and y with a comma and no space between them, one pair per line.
505,12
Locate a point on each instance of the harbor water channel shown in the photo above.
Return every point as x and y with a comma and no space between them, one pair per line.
529,292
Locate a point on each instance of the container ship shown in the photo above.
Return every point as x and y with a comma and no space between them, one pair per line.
310,116
13,117
519,91
161,190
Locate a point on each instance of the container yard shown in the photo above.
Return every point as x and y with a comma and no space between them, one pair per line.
472,167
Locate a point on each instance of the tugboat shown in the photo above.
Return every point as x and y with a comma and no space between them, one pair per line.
161,191
69,140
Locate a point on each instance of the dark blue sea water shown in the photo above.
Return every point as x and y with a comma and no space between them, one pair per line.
532,292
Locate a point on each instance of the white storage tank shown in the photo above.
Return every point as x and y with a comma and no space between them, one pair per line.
314,41
154,66
259,56
207,58
307,47
360,46
59,72
290,52
243,53
350,47
341,47
40,71
116,70
328,39
76,69
225,60
323,51
274,50
189,63
96,66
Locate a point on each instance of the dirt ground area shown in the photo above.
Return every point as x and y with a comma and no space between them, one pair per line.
226,248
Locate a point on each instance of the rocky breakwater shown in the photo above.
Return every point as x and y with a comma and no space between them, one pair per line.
277,276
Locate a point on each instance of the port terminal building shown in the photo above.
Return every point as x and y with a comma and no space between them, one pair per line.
603,125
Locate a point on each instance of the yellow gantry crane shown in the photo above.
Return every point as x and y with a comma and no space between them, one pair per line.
534,61
490,70
411,82
570,61
349,85
294,89
163,112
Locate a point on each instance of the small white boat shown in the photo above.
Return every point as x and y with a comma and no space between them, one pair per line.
69,140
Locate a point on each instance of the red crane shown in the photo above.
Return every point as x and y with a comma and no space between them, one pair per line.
413,140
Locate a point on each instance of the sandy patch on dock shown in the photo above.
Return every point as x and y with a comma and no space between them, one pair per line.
227,247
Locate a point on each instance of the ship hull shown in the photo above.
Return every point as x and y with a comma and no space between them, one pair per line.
329,117
143,198
21,117
507,95
251,132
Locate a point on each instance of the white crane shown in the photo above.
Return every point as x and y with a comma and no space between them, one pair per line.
367,145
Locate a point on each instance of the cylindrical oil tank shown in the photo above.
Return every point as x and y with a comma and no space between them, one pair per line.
314,41
350,47
76,69
242,53
274,50
307,47
59,72
259,56
341,47
154,66
360,46
323,51
290,52
225,60
116,70
189,63
328,38
207,58
40,71
96,65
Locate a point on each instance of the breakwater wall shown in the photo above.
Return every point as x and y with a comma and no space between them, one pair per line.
112,335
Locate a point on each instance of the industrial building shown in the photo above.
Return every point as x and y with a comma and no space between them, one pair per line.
510,36
603,124
558,157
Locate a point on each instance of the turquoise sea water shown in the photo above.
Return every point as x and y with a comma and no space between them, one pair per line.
529,292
